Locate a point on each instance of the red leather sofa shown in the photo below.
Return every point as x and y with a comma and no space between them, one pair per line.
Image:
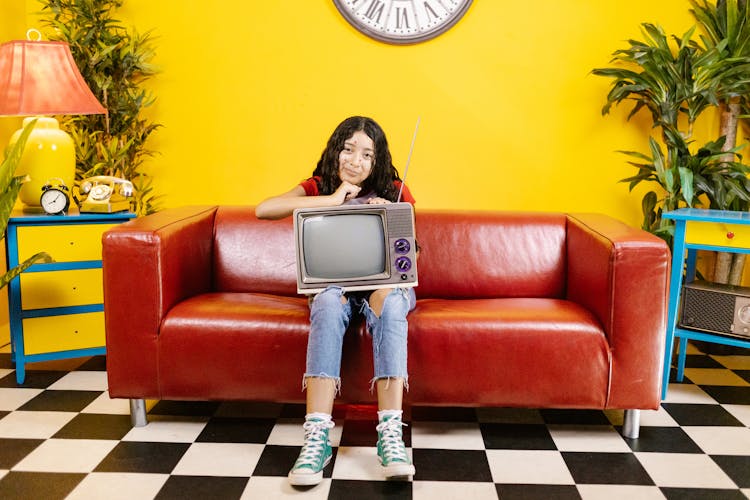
538,310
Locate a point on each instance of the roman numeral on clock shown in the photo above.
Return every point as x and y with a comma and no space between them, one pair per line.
402,18
430,12
375,10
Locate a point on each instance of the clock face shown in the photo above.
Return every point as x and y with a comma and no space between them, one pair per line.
402,21
54,201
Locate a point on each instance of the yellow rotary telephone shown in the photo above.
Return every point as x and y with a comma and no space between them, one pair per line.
106,194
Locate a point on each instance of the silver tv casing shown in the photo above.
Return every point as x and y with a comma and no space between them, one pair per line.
398,223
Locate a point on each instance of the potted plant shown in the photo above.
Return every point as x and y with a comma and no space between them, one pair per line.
10,185
115,62
677,86
676,83
726,24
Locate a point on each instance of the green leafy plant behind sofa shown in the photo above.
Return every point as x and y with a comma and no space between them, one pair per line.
676,79
115,62
10,185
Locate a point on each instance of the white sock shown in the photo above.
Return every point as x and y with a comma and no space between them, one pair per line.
389,413
320,416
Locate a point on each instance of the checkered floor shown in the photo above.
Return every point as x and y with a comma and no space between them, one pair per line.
62,437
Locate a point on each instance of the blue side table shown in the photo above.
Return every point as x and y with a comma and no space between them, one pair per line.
699,229
56,310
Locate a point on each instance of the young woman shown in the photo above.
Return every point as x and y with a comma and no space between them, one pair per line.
355,167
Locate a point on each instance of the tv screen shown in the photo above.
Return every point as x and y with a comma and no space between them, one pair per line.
343,246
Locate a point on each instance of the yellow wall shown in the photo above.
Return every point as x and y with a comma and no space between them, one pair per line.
510,114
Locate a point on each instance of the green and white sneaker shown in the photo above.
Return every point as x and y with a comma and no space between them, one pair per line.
316,451
391,448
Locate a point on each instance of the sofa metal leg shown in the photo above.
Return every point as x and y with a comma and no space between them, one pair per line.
138,412
631,424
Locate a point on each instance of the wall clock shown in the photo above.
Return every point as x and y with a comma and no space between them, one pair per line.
402,21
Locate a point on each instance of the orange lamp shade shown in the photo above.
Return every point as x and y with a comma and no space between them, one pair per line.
41,78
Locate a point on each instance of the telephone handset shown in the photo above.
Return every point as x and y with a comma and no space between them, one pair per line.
106,194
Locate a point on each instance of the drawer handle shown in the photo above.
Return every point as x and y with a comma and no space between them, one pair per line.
730,235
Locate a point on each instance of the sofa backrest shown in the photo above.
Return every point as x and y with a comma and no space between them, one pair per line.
253,255
491,254
464,254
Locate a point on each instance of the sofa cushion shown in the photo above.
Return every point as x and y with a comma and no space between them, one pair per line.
201,337
534,353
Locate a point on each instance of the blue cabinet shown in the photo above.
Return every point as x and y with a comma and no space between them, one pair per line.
699,229
56,309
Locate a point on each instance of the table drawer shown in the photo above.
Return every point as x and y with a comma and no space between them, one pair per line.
717,234
65,243
63,333
76,287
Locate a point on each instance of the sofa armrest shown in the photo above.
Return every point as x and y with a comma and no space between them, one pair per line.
621,274
149,264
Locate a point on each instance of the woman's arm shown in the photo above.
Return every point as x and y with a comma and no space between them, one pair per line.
280,206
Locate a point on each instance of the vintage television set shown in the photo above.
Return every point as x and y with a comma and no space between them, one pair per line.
356,247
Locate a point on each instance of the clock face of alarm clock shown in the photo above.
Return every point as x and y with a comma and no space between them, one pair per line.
402,21
54,201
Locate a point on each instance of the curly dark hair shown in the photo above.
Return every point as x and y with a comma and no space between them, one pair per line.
383,172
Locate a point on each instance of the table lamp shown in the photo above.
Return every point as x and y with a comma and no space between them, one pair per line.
40,79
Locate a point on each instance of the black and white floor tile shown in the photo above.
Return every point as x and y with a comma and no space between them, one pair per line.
62,437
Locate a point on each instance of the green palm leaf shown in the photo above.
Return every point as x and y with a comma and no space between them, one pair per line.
13,157
10,185
41,257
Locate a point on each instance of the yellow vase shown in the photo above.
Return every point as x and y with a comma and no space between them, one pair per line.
49,153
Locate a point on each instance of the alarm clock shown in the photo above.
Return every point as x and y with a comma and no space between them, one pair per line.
54,199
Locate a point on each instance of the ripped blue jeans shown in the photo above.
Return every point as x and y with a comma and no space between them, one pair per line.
329,319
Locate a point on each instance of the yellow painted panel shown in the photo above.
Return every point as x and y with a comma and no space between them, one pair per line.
63,333
510,112
65,243
717,234
61,288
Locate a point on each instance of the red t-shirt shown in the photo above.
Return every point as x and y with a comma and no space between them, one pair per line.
311,189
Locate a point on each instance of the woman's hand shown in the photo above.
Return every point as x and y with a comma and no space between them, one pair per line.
377,201
345,192
283,205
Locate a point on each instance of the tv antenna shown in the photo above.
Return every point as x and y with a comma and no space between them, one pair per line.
408,160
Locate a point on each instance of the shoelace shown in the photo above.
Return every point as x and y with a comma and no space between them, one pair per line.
391,440
315,440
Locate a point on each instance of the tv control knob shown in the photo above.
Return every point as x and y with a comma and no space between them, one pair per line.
744,314
402,246
403,264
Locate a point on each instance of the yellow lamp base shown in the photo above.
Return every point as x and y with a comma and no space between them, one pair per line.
49,153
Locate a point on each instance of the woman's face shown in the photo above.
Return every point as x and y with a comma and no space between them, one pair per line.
357,158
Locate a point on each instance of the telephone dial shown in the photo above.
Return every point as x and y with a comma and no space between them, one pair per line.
105,194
